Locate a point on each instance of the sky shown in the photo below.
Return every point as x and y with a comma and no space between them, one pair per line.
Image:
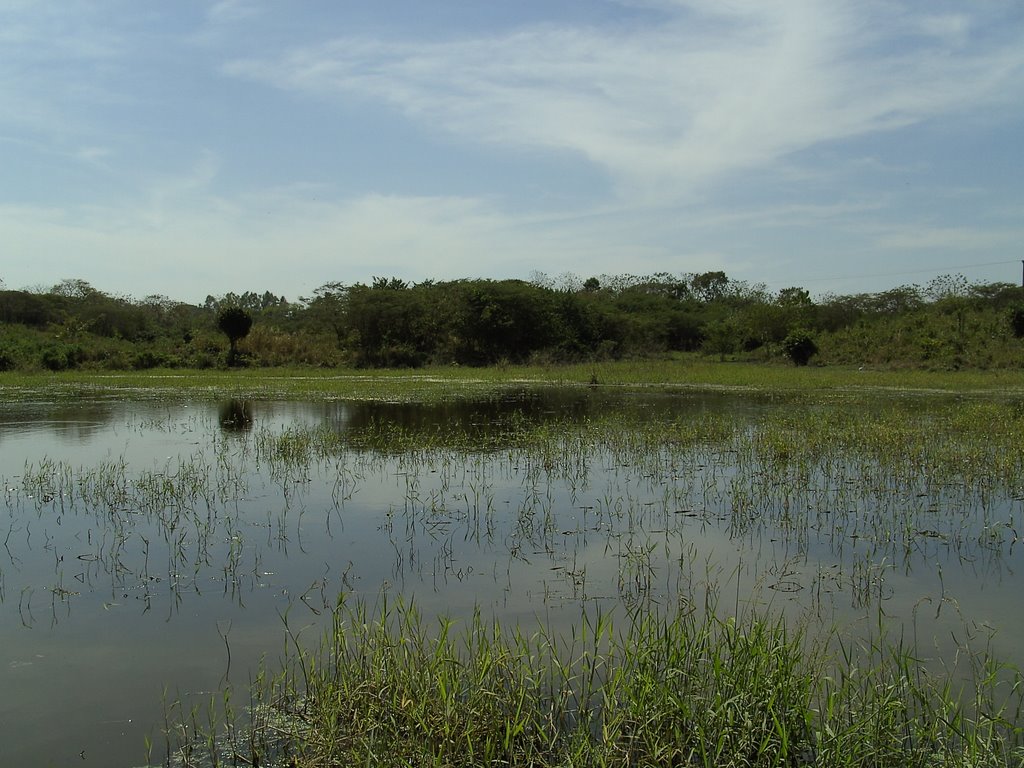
191,148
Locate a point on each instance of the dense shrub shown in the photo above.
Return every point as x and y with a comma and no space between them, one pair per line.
8,361
799,347
146,359
269,347
1017,321
61,357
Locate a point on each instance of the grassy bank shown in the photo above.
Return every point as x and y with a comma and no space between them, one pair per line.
433,384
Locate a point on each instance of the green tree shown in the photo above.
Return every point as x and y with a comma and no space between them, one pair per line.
709,286
720,338
328,309
30,309
1017,321
506,320
799,347
794,297
391,324
235,323
73,288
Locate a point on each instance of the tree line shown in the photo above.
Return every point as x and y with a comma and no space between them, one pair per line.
390,322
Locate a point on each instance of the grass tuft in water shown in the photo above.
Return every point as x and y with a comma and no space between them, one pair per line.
387,688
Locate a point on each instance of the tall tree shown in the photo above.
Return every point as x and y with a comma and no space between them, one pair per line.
235,323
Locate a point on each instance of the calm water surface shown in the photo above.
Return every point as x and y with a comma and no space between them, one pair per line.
110,611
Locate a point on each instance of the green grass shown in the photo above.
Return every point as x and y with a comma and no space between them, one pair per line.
446,383
687,688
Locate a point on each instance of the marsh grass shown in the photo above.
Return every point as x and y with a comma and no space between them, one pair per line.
875,484
434,384
386,687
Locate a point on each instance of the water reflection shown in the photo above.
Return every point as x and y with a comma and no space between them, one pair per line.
235,415
84,420
72,422
538,406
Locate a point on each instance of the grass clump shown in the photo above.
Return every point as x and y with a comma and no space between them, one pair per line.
687,689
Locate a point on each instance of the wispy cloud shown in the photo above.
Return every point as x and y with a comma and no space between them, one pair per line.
221,21
699,114
51,61
923,237
200,242
712,89
232,10
190,182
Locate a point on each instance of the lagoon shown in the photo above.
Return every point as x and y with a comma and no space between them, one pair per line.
159,552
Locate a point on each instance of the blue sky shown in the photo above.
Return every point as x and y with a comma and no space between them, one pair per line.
188,148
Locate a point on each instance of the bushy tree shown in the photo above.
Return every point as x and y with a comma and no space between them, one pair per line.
31,309
799,347
720,338
506,320
1017,321
709,286
391,324
328,309
235,323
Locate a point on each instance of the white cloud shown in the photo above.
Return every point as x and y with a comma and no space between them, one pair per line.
51,60
93,155
953,29
286,241
716,88
191,182
220,25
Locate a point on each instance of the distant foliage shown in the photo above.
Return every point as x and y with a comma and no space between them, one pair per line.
391,322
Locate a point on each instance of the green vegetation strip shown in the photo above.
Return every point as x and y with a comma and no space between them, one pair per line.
949,324
453,382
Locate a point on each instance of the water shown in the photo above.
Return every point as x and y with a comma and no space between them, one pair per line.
111,611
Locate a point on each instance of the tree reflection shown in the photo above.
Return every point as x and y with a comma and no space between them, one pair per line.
235,415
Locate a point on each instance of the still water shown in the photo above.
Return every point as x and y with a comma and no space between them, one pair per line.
154,553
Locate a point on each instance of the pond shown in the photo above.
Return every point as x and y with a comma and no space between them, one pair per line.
159,553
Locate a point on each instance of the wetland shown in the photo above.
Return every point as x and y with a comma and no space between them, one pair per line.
180,569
